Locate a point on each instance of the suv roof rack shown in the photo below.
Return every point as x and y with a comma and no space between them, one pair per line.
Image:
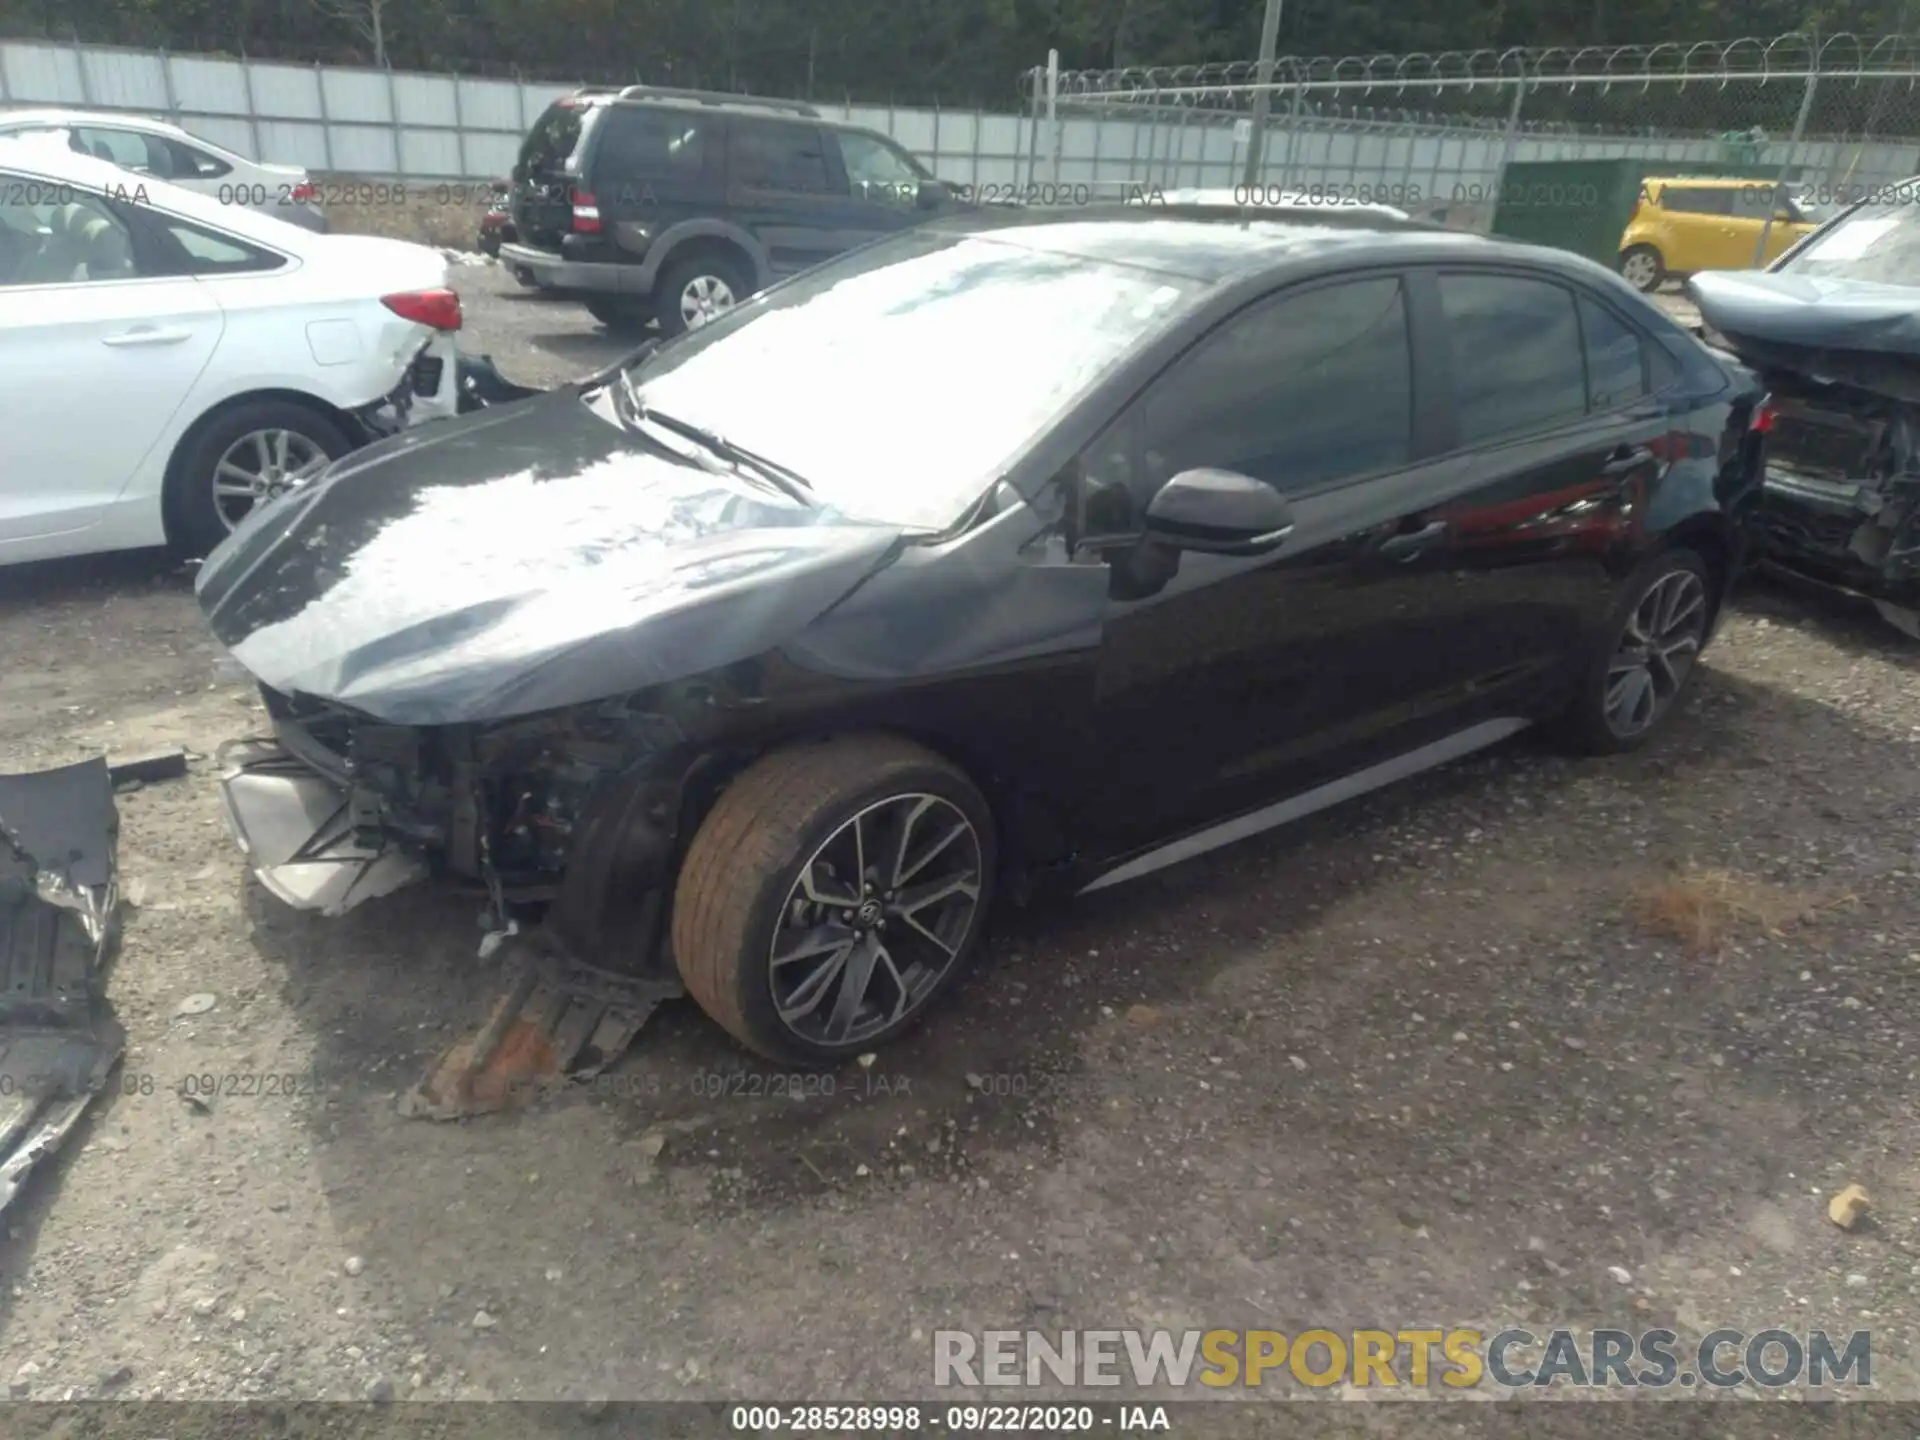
718,98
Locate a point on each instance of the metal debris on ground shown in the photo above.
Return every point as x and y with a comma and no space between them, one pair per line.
146,769
557,1021
59,904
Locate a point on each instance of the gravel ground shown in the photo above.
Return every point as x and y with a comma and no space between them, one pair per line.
1432,1058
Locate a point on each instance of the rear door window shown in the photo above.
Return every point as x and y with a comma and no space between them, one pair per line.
129,149
56,234
770,155
1697,200
1518,361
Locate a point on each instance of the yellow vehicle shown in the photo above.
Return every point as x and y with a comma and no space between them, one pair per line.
1682,225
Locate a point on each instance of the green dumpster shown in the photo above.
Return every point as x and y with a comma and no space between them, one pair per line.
1584,205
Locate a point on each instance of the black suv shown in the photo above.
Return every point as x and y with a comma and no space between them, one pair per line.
675,205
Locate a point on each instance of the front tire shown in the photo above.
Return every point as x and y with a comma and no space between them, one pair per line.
1640,671
247,455
1642,268
832,894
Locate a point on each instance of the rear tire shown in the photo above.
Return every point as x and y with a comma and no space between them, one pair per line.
197,518
700,288
1644,663
771,927
1641,267
622,317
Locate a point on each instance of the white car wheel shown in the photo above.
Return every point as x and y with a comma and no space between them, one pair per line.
263,465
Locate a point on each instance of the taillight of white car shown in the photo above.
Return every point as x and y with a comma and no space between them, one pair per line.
436,309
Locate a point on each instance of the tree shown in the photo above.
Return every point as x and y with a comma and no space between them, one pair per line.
368,19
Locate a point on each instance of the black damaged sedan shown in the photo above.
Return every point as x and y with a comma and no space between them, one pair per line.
1007,555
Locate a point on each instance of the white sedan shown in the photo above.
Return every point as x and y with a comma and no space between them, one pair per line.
169,362
166,152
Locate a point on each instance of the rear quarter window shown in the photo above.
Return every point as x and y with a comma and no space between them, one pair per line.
1616,357
208,252
644,144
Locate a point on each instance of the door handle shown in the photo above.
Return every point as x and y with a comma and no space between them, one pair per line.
1410,543
1625,459
147,335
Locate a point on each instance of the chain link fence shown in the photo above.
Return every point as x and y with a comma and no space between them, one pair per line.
1434,133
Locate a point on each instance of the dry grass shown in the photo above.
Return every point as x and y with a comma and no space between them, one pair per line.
1704,908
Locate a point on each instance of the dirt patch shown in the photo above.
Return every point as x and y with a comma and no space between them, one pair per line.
1704,908
444,214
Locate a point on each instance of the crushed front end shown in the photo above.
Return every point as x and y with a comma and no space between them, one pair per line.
336,808
1834,333
1842,500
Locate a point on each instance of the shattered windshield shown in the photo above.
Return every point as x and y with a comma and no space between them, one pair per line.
1878,242
902,380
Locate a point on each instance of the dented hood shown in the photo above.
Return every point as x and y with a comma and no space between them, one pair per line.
517,560
1813,312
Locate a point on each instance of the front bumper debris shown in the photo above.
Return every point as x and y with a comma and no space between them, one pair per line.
316,845
59,904
301,835
557,1021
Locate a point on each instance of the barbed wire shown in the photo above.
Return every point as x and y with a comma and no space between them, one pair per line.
1795,56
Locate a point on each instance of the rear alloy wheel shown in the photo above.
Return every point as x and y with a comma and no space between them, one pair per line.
1641,268
834,891
695,292
263,465
1634,686
245,457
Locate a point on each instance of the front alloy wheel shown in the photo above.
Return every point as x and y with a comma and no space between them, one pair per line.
832,894
1657,650
262,465
876,917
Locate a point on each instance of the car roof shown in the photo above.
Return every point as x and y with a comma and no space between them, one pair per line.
1220,245
53,117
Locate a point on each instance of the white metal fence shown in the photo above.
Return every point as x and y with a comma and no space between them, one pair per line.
1435,131
405,124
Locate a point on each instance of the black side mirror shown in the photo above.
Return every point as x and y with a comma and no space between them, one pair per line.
1218,512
